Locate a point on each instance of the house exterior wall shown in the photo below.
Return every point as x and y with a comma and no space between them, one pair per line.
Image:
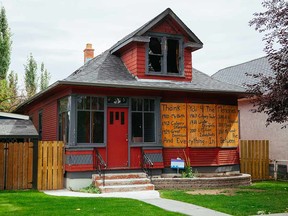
49,108
252,127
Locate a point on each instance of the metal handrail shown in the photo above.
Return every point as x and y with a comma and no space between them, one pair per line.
100,163
147,164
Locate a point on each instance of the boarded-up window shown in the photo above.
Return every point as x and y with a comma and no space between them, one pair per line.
173,117
227,126
201,125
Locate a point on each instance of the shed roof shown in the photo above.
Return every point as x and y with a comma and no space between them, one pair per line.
236,75
17,128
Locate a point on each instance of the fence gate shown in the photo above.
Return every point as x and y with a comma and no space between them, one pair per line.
16,165
50,165
254,158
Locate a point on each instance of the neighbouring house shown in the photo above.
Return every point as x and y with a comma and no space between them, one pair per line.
252,125
141,99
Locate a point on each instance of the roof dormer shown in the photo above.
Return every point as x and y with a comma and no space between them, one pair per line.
160,49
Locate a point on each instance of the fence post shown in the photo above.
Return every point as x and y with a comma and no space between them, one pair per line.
35,163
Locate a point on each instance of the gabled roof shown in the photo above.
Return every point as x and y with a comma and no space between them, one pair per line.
236,75
136,35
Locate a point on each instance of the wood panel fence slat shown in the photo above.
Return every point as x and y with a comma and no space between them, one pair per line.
50,165
15,170
254,158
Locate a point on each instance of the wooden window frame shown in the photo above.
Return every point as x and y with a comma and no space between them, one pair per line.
164,38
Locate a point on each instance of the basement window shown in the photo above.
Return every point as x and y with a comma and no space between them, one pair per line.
165,56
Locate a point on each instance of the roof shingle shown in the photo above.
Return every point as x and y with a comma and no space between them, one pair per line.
236,75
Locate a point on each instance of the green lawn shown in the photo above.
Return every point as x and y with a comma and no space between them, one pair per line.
37,203
261,197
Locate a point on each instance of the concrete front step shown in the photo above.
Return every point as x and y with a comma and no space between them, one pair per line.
113,182
119,176
126,188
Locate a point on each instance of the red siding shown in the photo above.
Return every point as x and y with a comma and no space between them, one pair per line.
228,156
172,153
169,26
49,122
188,64
203,156
135,157
49,107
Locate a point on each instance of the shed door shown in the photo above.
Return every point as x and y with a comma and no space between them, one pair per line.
117,137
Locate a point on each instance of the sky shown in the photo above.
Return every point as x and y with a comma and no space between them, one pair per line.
56,31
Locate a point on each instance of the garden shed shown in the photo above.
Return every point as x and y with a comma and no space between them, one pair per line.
18,137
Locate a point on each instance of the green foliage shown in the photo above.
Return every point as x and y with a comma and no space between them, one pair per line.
188,172
36,203
9,96
272,91
5,44
4,96
261,197
90,189
44,78
31,80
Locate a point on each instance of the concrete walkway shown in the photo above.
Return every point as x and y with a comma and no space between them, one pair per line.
151,197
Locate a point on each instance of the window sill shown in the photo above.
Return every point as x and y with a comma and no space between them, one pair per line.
145,145
83,145
165,74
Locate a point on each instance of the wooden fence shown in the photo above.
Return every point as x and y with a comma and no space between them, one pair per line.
254,158
50,165
16,165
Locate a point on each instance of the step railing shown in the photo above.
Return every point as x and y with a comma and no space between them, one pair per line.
147,165
99,165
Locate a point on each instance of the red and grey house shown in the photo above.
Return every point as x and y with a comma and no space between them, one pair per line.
141,96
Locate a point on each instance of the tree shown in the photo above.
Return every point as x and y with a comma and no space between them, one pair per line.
5,44
272,91
31,80
44,77
13,89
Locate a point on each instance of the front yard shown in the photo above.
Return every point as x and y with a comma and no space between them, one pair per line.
259,198
38,203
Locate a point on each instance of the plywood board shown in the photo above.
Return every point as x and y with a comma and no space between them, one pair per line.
201,122
173,121
227,126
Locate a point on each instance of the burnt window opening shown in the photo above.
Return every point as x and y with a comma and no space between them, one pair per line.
165,56
172,56
155,55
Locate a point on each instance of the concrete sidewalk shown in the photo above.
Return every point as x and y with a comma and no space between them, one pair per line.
151,197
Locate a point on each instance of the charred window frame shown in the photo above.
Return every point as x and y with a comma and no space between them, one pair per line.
164,55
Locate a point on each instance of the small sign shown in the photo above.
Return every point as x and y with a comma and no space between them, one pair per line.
177,164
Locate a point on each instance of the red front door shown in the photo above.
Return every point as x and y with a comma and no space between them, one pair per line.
117,134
